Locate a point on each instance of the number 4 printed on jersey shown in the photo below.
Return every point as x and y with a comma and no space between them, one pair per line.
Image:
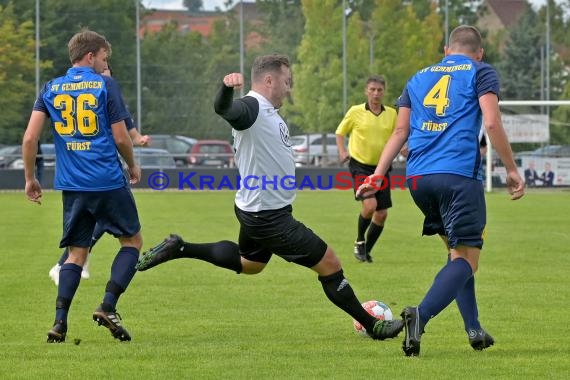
437,96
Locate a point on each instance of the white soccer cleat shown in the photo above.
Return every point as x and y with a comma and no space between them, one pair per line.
54,273
85,271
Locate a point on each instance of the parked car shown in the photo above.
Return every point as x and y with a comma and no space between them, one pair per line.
48,153
523,153
308,148
552,151
11,157
218,153
178,146
152,158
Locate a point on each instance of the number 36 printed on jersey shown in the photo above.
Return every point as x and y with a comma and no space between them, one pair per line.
77,115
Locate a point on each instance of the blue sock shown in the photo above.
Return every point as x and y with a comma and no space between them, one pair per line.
64,256
450,279
122,272
69,277
467,304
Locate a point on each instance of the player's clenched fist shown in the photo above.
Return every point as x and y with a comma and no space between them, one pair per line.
234,80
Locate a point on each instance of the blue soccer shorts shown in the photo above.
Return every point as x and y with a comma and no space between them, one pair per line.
114,211
453,206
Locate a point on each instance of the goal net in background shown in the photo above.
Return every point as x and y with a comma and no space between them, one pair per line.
539,133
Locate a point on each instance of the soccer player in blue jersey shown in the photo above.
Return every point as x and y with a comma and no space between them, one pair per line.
88,116
441,111
138,140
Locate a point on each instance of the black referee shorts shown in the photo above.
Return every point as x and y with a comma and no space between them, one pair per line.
359,170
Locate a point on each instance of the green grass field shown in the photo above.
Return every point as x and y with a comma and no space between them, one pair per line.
191,320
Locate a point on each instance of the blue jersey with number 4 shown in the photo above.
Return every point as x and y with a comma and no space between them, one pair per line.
445,116
82,106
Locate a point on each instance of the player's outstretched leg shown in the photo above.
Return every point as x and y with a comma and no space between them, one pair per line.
112,321
169,249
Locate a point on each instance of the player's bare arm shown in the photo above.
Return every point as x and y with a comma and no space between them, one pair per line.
138,139
125,147
489,104
29,153
391,150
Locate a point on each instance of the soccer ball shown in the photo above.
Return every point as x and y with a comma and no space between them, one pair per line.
375,308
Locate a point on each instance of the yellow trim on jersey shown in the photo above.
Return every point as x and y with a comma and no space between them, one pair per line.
368,132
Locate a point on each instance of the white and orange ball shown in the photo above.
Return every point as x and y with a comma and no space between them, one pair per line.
377,309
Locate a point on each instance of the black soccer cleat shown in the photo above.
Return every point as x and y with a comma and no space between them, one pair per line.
168,250
480,339
57,332
414,330
360,251
112,321
386,329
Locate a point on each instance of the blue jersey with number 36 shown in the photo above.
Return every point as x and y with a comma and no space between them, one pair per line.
82,106
445,116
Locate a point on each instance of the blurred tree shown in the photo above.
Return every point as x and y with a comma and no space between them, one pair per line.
318,75
559,67
521,67
364,8
282,26
460,12
115,19
174,88
193,5
560,121
23,10
360,52
17,68
404,43
559,37
223,57
559,26
182,72
523,70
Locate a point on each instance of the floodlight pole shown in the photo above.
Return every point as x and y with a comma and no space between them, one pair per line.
446,22
138,43
37,47
241,47
344,75
547,49
547,55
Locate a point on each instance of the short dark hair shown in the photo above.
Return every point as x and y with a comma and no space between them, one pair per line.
268,63
85,42
465,38
376,79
